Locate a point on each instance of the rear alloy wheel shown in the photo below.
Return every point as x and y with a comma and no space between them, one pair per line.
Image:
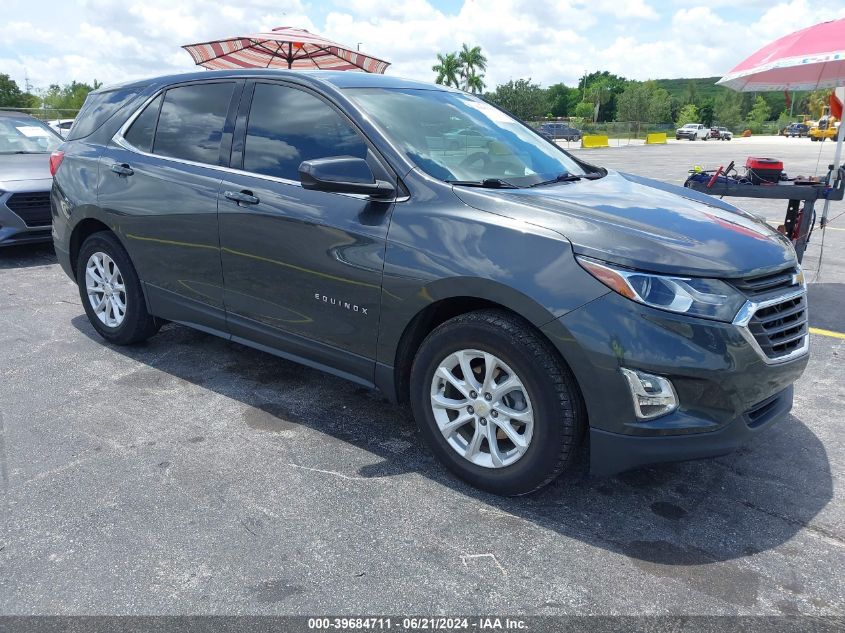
495,403
111,292
106,289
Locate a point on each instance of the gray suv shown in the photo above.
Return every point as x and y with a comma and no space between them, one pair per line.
526,303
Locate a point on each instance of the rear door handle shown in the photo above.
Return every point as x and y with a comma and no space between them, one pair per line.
241,197
122,169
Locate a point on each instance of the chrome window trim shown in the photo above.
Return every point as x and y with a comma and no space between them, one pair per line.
119,139
749,309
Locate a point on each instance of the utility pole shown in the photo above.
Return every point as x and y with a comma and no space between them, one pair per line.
26,82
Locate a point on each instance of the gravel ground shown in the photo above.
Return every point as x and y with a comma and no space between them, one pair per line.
192,475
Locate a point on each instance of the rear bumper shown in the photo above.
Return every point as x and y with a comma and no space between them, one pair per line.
612,453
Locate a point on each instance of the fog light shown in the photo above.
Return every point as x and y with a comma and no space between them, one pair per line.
652,395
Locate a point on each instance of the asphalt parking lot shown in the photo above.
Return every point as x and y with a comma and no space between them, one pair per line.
193,475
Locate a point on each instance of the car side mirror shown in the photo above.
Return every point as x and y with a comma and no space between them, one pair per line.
343,174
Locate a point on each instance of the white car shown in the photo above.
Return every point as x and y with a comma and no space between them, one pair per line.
62,126
693,132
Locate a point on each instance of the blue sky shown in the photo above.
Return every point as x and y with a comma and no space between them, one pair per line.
550,41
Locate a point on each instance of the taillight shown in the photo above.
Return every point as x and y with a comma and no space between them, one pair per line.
56,160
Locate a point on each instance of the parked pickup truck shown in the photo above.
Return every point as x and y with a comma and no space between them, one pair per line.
692,132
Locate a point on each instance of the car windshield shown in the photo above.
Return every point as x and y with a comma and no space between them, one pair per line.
456,137
25,135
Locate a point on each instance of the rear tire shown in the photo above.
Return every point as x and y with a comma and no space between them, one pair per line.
525,401
111,292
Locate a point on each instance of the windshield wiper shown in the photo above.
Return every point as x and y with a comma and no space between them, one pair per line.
567,177
23,151
487,183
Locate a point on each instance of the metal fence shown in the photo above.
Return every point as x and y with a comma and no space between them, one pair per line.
625,132
46,114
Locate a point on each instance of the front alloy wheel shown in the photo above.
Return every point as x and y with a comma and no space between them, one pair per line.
495,403
482,408
106,289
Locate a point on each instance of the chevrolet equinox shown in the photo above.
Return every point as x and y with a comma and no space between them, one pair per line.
526,303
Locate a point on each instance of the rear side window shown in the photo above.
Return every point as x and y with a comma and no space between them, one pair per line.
99,108
287,126
141,133
190,125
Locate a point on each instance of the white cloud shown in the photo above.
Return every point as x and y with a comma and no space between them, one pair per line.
547,40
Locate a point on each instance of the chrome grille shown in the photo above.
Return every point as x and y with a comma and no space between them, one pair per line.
774,319
780,329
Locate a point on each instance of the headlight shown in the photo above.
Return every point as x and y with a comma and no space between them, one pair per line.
708,298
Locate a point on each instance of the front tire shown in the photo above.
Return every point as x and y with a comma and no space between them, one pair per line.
111,292
495,404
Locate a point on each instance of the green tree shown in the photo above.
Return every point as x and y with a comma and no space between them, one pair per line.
633,104
448,69
688,114
585,110
473,63
474,84
660,106
706,111
644,102
691,93
68,97
727,110
523,99
759,112
11,96
817,101
562,99
603,87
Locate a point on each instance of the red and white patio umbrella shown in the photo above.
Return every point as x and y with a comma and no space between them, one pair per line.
282,47
808,59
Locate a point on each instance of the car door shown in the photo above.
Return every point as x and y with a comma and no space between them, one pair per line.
159,184
302,268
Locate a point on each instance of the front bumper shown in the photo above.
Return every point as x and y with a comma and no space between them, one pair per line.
612,453
721,381
13,228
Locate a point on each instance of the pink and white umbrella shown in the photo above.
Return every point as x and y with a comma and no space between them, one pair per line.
282,47
808,59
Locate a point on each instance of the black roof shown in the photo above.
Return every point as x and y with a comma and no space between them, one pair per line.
339,79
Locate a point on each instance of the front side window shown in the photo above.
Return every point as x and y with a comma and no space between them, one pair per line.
190,125
26,135
454,136
287,126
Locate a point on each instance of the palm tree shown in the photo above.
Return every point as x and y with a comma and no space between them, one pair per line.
472,60
448,69
475,84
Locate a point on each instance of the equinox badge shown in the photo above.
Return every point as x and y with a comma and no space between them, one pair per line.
340,304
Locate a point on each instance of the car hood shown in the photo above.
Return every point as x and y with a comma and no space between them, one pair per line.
15,167
645,224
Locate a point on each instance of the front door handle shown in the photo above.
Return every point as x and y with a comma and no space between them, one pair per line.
241,197
122,169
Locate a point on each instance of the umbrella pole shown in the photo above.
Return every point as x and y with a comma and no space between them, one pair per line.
837,156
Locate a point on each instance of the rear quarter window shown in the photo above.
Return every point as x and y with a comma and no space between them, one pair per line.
98,108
